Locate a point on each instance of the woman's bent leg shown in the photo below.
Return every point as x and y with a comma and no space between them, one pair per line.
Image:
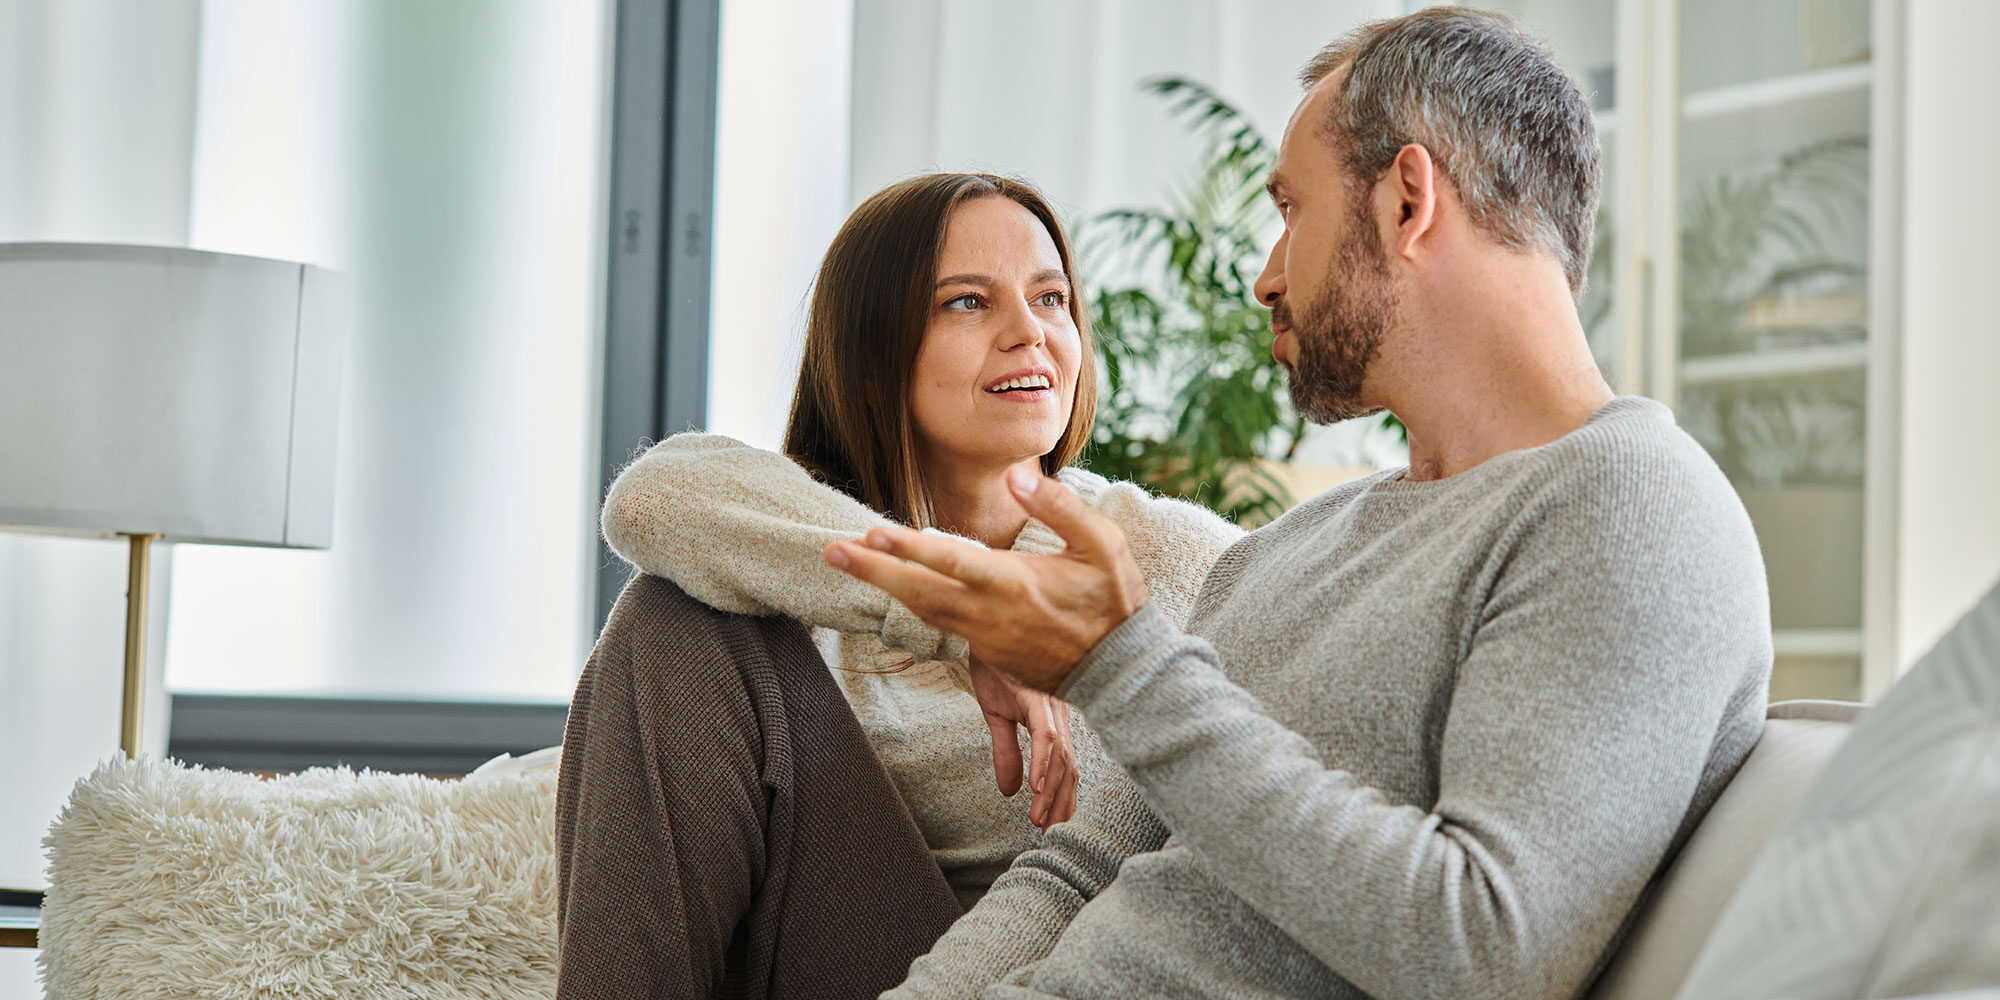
723,827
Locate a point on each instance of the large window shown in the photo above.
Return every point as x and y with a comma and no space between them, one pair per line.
448,157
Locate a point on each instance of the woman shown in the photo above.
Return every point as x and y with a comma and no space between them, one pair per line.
778,828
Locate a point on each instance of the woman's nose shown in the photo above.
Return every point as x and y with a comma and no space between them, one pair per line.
1022,328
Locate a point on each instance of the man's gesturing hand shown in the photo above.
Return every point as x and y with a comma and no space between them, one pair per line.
1030,617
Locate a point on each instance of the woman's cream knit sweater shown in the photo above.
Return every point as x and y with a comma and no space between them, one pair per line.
743,530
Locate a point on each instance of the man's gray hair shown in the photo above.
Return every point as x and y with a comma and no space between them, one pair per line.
1498,116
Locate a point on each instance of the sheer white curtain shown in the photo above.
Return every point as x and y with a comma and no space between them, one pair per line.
1049,89
449,157
97,107
781,141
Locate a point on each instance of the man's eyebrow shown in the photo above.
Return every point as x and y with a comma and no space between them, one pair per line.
1273,184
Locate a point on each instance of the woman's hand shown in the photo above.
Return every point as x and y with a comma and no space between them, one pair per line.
1051,761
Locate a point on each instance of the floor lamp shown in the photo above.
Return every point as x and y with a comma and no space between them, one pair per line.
166,394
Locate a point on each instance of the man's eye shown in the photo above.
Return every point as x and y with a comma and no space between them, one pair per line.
1053,300
968,302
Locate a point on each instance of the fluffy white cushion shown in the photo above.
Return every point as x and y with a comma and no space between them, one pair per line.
172,881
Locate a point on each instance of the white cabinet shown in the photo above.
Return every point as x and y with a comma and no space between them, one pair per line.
1737,272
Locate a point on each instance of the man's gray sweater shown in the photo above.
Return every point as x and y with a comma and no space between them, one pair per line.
1421,739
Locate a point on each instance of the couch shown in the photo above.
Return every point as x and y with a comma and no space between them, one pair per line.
1855,854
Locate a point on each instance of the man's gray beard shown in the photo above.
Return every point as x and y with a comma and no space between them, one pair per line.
1340,333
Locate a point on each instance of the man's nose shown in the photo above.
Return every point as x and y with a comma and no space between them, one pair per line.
1270,285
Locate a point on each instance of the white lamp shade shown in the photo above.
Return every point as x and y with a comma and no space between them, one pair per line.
171,391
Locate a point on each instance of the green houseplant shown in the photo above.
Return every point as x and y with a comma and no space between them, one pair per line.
1193,405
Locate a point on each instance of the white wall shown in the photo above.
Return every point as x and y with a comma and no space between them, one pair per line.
1049,90
1949,501
781,154
1059,102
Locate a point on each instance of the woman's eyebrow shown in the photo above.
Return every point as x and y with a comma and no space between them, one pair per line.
1044,276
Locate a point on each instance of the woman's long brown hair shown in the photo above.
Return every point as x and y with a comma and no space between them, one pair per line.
871,303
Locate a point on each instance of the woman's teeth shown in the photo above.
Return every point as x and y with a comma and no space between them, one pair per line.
1024,382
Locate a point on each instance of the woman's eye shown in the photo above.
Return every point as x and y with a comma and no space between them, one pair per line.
1053,300
968,301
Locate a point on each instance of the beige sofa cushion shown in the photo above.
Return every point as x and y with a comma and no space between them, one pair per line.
1674,922
1885,881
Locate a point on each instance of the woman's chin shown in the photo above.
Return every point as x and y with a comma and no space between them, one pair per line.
1007,451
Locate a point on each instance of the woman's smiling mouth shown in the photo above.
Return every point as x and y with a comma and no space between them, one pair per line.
1027,386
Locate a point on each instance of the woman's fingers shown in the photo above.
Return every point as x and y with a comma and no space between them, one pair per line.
1045,747
1006,755
1066,805
1042,740
1054,788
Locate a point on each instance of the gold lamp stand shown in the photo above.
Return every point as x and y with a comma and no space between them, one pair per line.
138,573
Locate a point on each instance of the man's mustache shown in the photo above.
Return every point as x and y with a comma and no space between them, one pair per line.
1281,313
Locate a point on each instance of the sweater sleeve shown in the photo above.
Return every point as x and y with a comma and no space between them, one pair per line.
1024,913
1567,761
744,530
1017,922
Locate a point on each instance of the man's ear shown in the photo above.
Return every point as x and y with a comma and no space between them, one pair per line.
1413,184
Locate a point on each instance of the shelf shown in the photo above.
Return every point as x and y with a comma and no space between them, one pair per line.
1754,124
1816,641
1779,363
1759,95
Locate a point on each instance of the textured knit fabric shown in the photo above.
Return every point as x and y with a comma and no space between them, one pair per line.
1421,739
1886,880
743,530
723,829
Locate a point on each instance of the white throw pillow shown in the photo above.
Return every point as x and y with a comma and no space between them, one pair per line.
173,881
1886,880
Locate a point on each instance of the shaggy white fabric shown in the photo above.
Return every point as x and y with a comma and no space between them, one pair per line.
173,881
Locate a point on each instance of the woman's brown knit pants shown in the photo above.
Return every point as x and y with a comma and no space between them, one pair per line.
723,827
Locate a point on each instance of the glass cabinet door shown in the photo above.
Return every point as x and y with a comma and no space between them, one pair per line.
1583,34
1771,293
1729,275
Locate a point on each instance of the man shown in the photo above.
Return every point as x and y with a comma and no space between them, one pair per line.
1433,732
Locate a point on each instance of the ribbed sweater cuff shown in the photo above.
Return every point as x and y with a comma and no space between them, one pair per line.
1124,649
